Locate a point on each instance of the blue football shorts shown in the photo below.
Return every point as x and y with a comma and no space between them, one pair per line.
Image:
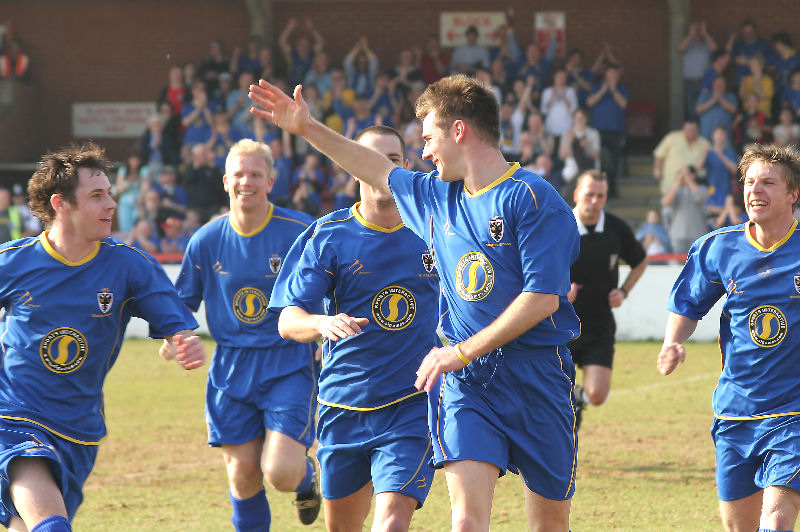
515,412
244,397
389,446
70,462
755,454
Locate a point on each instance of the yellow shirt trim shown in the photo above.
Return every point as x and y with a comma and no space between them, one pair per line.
363,221
59,257
257,229
513,167
773,247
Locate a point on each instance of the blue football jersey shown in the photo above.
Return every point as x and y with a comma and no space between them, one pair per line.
234,273
64,326
385,275
515,235
757,336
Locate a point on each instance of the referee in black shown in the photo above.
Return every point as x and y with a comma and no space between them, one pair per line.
595,290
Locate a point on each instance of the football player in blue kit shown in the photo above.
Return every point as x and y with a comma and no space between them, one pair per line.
68,295
380,288
503,241
756,403
260,393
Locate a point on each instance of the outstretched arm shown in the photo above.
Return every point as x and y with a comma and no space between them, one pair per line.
292,115
296,324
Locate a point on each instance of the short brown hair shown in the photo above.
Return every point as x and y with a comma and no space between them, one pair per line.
594,175
384,131
57,173
459,97
787,157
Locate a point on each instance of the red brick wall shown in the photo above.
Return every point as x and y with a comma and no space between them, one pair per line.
120,50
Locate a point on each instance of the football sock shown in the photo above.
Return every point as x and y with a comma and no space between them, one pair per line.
307,484
251,515
54,523
771,530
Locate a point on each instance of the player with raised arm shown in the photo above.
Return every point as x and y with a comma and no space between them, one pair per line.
260,393
503,241
756,403
380,289
68,295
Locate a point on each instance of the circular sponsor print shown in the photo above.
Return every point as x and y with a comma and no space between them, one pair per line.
394,308
250,304
474,276
767,326
63,350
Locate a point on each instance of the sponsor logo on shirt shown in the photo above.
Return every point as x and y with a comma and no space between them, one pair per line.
250,305
394,308
767,326
63,350
474,276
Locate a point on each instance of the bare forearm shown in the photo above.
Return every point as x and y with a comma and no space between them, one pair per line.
527,309
368,165
296,324
634,275
679,329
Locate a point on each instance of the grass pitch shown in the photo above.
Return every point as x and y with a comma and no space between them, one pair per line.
646,460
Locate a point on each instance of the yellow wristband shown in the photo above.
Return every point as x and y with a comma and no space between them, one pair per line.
460,355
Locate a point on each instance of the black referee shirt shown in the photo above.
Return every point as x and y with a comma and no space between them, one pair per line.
597,267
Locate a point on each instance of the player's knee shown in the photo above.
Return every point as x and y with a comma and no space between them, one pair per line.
464,521
283,476
391,523
597,396
780,513
245,479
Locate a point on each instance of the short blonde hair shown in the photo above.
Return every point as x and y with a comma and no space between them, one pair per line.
249,147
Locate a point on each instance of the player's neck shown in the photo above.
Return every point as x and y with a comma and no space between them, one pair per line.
382,214
769,234
483,164
249,219
69,244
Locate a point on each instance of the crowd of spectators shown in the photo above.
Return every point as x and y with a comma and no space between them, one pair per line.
558,118
747,92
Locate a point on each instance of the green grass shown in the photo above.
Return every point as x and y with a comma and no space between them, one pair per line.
646,460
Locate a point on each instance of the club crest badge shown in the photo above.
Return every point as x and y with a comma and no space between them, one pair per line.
797,283
275,264
105,299
428,262
496,227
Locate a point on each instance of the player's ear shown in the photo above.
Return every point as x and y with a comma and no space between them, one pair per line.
57,202
460,128
405,164
270,183
225,182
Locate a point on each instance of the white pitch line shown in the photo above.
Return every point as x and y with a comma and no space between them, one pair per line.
667,382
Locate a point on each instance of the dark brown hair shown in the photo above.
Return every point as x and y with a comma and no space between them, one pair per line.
57,173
